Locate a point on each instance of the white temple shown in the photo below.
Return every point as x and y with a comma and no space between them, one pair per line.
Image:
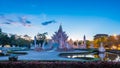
83,45
84,41
35,41
60,38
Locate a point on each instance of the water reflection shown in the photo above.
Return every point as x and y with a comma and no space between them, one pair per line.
108,57
102,56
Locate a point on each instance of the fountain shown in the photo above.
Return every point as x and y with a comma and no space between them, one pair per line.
101,48
43,45
36,47
32,46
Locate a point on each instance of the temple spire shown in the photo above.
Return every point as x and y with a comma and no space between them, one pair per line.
60,28
84,41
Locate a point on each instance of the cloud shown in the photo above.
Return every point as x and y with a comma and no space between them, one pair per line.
9,20
48,22
14,20
7,23
24,21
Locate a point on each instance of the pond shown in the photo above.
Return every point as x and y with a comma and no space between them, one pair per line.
92,56
75,55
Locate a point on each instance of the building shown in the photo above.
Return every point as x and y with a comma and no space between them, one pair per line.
60,37
100,36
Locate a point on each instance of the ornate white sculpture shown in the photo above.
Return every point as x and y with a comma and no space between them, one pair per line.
101,48
60,37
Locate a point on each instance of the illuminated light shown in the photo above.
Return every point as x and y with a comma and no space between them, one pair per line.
80,55
8,46
0,51
118,48
114,35
74,56
68,56
90,56
114,47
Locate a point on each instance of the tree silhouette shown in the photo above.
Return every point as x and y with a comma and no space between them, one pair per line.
41,38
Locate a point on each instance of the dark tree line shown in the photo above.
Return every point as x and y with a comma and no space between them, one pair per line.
12,39
108,42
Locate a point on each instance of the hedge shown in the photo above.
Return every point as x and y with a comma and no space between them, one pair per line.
37,64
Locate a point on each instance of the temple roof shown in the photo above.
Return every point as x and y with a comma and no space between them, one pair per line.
60,34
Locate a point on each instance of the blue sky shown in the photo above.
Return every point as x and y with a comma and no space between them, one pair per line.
78,17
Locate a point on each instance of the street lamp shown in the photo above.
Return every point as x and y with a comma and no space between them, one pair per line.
115,36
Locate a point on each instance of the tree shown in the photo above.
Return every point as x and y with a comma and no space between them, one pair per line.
88,43
97,41
75,43
12,38
41,38
4,39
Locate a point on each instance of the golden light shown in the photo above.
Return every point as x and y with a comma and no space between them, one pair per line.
8,46
114,35
118,47
114,47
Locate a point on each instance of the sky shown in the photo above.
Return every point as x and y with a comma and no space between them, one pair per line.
77,17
